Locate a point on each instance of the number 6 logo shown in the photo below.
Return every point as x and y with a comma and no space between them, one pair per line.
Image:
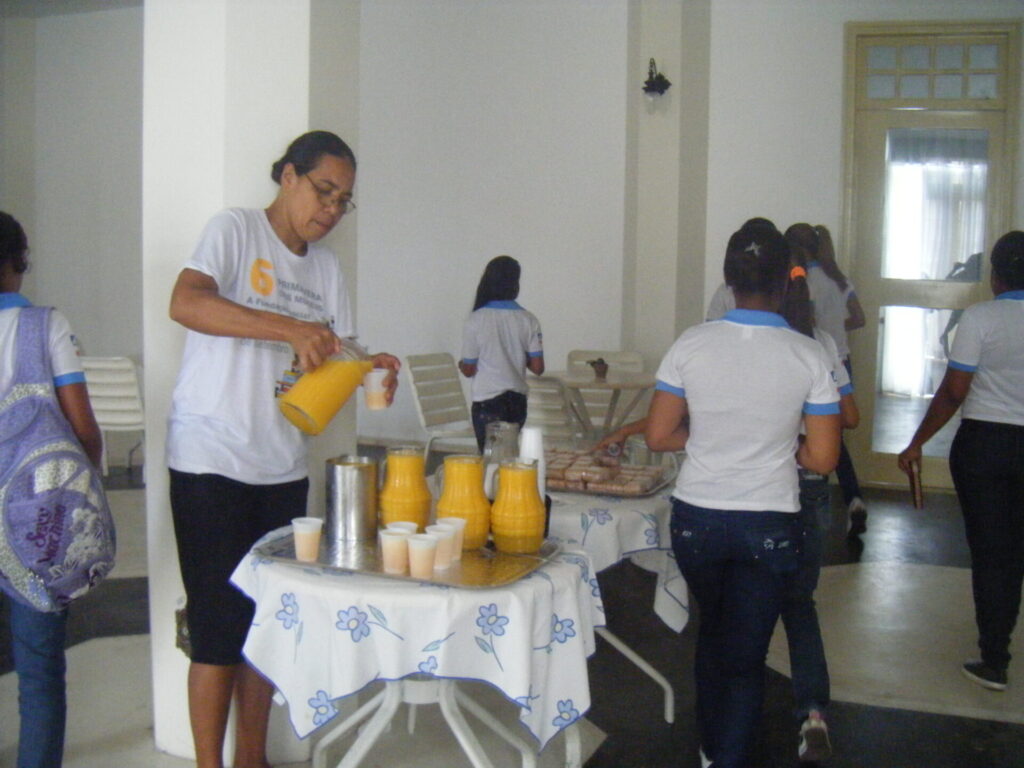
260,277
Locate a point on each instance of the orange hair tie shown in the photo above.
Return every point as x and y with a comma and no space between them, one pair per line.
796,272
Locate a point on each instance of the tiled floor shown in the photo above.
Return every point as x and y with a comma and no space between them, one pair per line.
626,705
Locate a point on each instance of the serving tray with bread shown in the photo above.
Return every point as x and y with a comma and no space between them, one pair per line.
598,473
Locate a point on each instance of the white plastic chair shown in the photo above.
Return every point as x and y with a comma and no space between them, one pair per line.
597,400
440,403
115,397
547,407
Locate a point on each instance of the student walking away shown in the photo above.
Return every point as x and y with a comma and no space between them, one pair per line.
809,669
734,394
985,376
262,301
37,636
500,341
836,311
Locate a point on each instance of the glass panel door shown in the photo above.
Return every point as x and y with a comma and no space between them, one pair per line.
923,212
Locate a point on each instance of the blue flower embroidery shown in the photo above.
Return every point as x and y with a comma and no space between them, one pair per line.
354,621
323,708
595,588
567,714
561,629
289,613
652,535
491,624
489,620
429,666
601,516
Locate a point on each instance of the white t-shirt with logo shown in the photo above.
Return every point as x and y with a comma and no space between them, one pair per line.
63,351
990,344
747,379
224,414
497,339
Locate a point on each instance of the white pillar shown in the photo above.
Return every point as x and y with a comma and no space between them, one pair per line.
226,87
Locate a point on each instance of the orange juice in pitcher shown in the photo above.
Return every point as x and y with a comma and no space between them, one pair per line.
319,394
463,496
405,495
517,517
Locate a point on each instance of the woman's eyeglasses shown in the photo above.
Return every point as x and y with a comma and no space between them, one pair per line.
329,197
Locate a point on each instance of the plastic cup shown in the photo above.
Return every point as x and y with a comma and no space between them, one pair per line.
394,548
374,389
402,525
306,531
422,548
459,524
445,545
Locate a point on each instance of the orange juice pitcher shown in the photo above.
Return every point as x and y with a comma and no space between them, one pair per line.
319,394
517,517
463,496
405,495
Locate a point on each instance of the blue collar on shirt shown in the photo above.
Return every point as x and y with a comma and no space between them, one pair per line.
755,317
1015,295
13,301
501,304
813,263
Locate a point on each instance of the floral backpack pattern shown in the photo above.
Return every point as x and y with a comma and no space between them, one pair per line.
57,539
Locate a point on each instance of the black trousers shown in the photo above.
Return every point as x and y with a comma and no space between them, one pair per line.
987,464
508,406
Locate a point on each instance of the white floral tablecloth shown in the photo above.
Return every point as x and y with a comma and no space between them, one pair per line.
611,528
320,634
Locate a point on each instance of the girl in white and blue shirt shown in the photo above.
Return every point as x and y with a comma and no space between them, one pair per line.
500,341
734,393
985,376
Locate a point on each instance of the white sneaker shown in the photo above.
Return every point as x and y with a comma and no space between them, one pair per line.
858,516
814,744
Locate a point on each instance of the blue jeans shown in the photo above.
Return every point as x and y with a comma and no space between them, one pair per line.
508,406
986,461
845,472
799,615
37,641
737,565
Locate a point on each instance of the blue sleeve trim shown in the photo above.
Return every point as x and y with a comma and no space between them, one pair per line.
470,360
535,354
663,387
846,389
821,409
69,378
962,366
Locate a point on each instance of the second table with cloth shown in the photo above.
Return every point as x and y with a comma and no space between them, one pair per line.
320,634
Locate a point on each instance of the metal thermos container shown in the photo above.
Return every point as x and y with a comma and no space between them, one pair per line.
351,499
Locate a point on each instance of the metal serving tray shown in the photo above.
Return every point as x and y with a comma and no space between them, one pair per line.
478,569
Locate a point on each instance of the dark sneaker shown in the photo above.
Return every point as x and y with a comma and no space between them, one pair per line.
985,676
814,744
858,517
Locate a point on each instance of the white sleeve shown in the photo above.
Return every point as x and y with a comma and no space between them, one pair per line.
217,253
64,359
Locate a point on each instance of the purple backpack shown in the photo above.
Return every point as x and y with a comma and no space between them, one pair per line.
57,540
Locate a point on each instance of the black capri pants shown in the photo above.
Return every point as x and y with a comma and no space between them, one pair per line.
216,522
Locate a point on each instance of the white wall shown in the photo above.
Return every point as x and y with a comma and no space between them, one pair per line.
87,153
489,127
775,129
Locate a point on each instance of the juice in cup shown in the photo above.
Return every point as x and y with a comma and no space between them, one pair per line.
318,395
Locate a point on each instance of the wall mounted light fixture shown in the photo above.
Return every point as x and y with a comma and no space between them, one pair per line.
656,83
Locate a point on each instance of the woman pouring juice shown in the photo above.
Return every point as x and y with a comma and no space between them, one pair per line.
262,302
